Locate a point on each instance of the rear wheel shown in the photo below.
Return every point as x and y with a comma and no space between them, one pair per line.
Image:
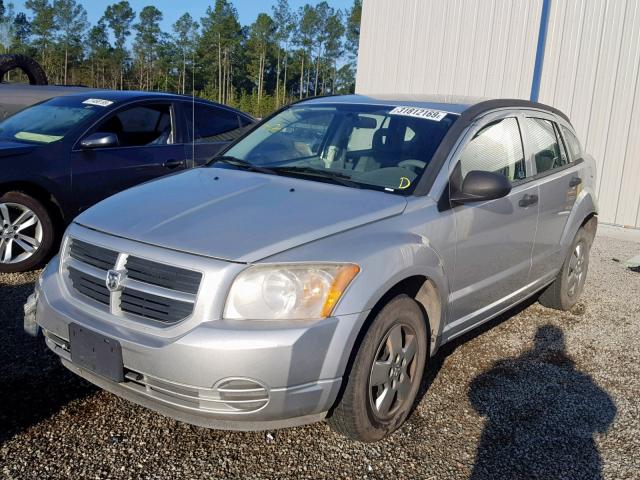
384,380
26,232
565,290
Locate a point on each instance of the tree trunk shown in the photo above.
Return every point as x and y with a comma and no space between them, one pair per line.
66,63
278,80
315,85
184,70
284,80
302,76
219,69
309,73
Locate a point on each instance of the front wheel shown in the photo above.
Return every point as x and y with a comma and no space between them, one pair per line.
26,233
385,377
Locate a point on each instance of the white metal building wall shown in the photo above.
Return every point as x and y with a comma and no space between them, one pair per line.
488,48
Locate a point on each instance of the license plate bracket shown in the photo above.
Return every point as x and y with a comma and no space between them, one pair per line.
95,352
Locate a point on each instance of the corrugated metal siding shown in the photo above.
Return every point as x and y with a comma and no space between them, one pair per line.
591,72
470,47
591,69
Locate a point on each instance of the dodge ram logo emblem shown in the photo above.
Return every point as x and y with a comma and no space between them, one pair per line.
114,280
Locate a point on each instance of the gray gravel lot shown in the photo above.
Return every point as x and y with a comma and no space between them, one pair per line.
535,394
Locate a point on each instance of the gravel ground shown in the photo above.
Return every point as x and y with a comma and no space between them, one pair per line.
536,394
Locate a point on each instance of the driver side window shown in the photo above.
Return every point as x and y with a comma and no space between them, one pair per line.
140,125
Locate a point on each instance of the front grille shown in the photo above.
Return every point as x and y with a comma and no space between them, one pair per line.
89,286
155,307
162,275
149,290
93,255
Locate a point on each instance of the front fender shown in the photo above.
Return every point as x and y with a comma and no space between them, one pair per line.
386,258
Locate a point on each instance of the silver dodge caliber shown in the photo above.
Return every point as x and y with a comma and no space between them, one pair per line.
312,270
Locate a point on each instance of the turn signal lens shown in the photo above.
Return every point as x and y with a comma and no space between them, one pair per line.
344,277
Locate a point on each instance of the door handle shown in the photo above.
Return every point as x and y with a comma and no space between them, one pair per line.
528,200
575,181
173,163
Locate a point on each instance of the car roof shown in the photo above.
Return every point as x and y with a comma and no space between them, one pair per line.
122,95
44,92
449,103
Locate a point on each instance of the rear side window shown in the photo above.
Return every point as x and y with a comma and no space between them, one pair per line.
573,145
547,152
496,148
210,124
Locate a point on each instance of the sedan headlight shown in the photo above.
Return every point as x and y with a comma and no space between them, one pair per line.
288,292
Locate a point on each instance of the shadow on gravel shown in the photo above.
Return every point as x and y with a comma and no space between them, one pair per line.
541,415
434,364
34,383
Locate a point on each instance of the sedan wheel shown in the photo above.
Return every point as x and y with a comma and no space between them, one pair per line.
20,233
27,235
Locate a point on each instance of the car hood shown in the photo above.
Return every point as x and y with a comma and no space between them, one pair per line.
9,149
237,215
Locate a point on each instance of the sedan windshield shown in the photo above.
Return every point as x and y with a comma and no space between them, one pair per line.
379,147
47,122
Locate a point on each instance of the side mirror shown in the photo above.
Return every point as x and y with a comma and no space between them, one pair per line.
100,140
480,186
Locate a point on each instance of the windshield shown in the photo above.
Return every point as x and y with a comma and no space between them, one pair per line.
47,122
380,147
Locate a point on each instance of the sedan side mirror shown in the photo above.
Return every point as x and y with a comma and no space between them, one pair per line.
480,186
100,140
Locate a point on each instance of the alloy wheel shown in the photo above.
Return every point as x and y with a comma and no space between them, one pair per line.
393,371
20,233
575,273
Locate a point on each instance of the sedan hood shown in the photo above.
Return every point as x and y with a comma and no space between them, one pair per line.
237,215
9,149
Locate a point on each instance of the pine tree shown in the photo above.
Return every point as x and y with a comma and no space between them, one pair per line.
119,17
71,22
185,37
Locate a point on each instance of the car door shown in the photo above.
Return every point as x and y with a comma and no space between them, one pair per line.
493,239
559,178
210,129
148,147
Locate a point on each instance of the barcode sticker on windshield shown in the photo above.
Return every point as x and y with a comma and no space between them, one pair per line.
98,101
418,112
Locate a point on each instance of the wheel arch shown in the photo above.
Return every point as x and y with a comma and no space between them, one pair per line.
425,291
583,214
41,194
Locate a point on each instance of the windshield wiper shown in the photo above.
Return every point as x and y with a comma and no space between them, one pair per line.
340,178
238,162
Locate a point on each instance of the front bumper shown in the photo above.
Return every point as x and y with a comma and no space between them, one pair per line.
220,374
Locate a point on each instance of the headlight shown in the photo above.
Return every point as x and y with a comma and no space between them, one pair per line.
288,292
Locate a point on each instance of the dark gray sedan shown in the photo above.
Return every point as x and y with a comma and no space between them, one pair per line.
63,155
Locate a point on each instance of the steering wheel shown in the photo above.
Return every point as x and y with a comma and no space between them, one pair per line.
415,166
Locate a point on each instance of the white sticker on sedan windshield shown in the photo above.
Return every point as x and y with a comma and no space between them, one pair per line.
98,101
418,112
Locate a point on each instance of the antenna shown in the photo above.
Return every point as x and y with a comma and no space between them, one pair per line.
193,107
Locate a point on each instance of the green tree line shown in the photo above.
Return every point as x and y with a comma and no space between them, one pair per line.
283,56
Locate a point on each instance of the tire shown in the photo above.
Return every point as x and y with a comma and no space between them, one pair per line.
28,65
565,290
360,412
24,221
